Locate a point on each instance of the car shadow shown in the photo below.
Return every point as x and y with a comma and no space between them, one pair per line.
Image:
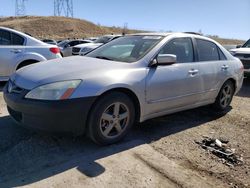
245,90
28,157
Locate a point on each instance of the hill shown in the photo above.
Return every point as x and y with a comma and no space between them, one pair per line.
62,27
58,27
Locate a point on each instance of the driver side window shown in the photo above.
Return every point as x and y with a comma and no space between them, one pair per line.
182,48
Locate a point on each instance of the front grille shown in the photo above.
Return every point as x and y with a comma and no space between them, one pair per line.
246,64
246,55
238,55
76,50
16,115
242,55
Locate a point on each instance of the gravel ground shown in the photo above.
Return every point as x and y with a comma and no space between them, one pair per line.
150,156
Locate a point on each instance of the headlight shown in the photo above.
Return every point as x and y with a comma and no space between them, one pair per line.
232,52
85,49
54,91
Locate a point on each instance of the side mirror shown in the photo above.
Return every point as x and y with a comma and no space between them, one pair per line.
239,46
165,59
66,46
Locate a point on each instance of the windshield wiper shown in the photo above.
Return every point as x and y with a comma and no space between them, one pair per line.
103,57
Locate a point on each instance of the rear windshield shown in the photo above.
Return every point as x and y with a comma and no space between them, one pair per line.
126,49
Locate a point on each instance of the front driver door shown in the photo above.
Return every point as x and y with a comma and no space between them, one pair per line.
174,86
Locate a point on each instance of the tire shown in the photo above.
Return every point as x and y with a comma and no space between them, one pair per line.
225,96
111,118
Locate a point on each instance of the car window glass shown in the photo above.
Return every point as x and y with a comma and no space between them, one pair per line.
181,47
72,43
17,40
126,49
103,40
207,51
222,55
5,38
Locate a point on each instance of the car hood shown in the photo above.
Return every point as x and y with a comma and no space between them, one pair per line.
87,45
241,50
69,68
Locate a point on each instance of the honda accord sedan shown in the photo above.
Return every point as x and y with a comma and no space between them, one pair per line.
129,80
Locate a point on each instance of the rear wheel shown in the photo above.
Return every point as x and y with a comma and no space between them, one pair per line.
225,96
111,118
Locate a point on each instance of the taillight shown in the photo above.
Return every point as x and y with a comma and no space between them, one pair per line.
55,50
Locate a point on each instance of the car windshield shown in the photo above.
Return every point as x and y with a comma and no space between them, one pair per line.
247,44
103,40
126,49
62,44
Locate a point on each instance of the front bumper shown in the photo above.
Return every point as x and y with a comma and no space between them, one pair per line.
53,116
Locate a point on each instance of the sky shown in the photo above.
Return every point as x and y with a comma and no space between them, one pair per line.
225,18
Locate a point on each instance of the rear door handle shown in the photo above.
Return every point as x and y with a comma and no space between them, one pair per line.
224,67
193,72
16,51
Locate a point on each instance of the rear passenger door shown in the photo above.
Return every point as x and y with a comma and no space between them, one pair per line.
11,46
174,86
213,67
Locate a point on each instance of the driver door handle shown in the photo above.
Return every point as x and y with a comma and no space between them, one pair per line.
224,67
193,72
16,51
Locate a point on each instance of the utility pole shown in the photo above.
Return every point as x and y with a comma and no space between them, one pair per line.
20,8
63,8
125,29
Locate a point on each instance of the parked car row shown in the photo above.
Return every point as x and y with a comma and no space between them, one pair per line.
67,45
131,79
83,49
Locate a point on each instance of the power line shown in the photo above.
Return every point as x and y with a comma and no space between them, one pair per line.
63,8
20,9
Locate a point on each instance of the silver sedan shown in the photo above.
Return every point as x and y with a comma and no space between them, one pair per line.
18,49
131,79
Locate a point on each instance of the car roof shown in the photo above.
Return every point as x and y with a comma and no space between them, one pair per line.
177,34
150,34
29,39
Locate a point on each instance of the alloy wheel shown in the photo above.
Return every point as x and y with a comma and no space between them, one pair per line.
226,96
114,120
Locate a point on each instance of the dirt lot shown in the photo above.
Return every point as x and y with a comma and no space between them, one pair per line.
159,153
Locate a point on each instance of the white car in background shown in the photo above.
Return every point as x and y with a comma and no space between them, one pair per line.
18,49
67,45
83,49
243,53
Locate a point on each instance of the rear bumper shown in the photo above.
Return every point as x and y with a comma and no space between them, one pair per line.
53,116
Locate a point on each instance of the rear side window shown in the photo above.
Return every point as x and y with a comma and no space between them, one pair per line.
17,40
5,38
222,55
207,51
182,48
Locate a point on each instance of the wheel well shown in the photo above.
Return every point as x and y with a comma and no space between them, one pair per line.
132,96
233,81
25,63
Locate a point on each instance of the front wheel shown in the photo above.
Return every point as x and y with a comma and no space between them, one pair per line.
111,118
225,96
